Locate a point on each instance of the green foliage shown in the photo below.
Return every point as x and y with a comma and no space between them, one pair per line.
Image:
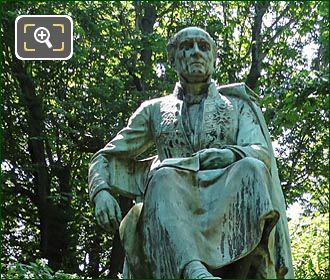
36,270
301,119
74,107
310,246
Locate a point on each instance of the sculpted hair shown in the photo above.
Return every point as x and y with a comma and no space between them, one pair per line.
172,44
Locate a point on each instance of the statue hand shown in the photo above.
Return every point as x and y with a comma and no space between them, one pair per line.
216,158
107,211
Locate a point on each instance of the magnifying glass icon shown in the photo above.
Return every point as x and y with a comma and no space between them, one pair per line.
41,35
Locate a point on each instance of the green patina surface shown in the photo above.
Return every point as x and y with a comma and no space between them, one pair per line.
211,199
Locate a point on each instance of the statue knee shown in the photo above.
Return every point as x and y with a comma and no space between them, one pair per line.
252,164
164,173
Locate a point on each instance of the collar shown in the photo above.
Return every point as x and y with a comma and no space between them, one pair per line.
212,91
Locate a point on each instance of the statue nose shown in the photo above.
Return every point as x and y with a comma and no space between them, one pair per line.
196,52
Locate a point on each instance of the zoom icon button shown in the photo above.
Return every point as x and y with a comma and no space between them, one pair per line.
43,37
39,36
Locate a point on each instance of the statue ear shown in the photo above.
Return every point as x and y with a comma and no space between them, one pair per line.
170,53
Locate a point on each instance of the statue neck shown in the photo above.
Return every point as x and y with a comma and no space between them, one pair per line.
194,88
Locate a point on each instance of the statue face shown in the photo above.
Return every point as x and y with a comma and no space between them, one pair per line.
194,57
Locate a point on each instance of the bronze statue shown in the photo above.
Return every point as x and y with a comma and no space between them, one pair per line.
209,205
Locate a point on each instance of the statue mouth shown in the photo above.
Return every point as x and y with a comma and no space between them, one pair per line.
197,63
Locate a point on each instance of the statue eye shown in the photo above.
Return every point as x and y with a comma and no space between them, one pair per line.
186,45
204,46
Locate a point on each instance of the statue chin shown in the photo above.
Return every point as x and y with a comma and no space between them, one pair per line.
194,74
196,77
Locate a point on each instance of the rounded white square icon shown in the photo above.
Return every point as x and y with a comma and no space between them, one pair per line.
43,37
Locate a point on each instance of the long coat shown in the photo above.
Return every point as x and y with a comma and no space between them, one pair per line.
226,212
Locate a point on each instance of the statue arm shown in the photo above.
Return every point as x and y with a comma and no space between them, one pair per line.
250,140
114,161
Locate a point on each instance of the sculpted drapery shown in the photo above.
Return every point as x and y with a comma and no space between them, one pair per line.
192,213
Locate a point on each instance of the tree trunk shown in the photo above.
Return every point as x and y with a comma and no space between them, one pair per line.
146,25
145,20
53,218
256,43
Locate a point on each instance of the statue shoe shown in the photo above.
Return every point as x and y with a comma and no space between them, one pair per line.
196,270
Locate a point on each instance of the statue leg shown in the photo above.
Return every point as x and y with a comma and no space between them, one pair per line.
185,217
247,267
169,231
196,270
256,265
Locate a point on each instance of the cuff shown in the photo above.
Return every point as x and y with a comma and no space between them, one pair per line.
96,190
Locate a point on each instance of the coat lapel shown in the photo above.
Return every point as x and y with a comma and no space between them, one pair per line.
209,129
178,94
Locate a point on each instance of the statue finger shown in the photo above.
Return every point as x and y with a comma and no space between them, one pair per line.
104,221
107,226
100,220
105,216
97,212
118,213
99,217
109,220
114,223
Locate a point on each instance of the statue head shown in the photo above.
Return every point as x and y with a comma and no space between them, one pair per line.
192,52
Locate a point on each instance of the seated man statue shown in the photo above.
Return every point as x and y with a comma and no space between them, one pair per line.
209,205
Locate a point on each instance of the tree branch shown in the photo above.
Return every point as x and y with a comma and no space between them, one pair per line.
279,17
18,188
271,41
171,7
256,52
